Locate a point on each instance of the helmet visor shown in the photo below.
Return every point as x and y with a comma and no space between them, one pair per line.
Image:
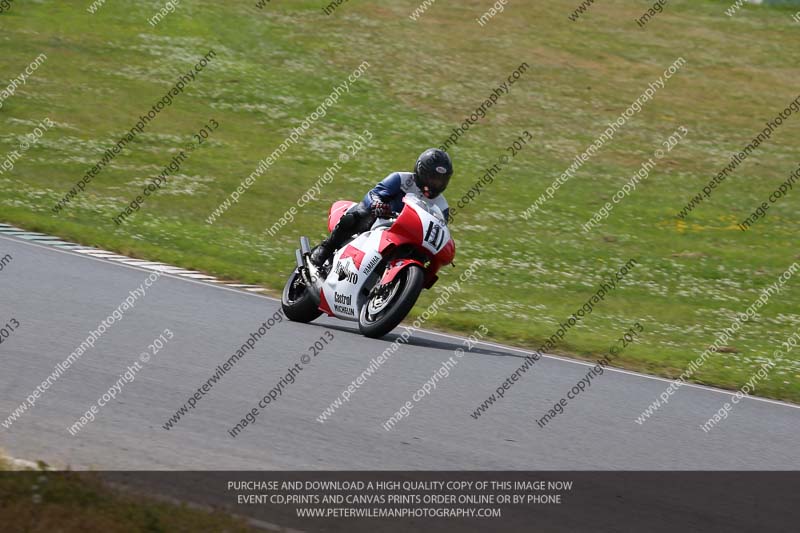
438,184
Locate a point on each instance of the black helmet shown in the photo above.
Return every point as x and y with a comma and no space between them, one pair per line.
432,172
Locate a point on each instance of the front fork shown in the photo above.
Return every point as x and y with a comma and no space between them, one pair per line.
394,267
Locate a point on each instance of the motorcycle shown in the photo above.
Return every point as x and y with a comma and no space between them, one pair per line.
377,276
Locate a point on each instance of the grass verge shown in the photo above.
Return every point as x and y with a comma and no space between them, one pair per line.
70,502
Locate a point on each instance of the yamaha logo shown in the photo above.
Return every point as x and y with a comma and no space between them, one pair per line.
441,170
372,263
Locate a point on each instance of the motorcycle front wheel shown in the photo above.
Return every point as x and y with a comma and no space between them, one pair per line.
390,304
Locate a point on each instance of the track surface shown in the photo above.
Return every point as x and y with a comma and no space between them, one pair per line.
58,297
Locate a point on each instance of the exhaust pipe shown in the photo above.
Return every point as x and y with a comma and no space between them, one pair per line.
305,247
308,270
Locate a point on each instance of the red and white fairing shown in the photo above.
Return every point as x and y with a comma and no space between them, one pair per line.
420,225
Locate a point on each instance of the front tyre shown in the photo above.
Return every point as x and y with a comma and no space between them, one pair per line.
390,304
297,303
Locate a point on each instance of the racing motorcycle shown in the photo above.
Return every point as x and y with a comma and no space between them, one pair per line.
376,277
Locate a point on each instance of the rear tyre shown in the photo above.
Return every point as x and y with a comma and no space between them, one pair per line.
297,303
386,309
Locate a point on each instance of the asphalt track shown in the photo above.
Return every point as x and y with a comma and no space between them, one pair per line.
59,296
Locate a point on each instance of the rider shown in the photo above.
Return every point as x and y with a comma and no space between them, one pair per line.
430,178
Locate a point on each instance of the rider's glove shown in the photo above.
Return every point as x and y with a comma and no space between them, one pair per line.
380,208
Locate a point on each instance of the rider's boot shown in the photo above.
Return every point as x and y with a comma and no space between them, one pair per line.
357,219
324,250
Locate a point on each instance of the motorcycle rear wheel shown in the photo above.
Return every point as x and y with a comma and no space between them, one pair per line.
297,303
385,310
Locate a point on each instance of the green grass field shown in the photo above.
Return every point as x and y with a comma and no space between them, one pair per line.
274,66
78,502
